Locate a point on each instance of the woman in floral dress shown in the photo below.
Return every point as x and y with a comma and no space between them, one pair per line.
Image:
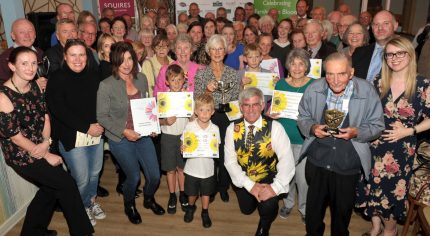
405,97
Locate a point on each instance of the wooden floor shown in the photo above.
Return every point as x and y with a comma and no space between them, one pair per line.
226,218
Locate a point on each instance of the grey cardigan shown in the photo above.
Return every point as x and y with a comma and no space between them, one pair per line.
365,113
112,104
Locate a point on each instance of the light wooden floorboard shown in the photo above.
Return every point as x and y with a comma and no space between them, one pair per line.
226,218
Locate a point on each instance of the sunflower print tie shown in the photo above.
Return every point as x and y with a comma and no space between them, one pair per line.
250,137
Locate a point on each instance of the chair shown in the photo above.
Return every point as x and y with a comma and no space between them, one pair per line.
419,191
422,224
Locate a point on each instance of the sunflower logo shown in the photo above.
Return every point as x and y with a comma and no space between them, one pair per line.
234,110
279,102
188,104
214,144
190,142
163,103
243,156
256,172
265,147
239,130
272,83
253,78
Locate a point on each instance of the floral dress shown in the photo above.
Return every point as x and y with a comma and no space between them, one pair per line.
28,117
386,192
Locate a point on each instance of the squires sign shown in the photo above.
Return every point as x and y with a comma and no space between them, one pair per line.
120,6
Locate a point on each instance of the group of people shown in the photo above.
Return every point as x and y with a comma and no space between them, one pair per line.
370,90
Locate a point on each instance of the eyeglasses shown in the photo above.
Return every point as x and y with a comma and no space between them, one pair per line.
159,47
75,41
217,49
399,54
249,106
89,34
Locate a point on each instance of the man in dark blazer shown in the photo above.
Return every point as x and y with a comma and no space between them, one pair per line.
316,47
365,60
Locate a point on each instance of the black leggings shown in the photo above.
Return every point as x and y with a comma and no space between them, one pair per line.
55,184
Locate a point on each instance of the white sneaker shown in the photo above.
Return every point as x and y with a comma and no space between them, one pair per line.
90,216
97,211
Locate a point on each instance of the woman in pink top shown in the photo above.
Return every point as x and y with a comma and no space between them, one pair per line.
183,47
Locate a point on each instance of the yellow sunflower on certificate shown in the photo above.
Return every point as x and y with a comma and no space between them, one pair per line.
234,110
253,78
214,144
190,142
163,103
316,70
188,104
279,102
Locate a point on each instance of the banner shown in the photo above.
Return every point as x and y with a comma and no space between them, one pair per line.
120,7
211,6
286,8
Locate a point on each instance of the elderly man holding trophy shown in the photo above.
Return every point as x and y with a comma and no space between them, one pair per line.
339,116
222,82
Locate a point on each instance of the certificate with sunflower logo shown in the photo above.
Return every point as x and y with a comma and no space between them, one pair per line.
235,113
179,104
145,116
264,81
316,67
200,144
286,104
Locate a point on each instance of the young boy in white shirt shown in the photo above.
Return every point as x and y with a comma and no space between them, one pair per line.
199,172
171,157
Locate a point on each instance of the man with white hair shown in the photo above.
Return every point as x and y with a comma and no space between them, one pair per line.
259,160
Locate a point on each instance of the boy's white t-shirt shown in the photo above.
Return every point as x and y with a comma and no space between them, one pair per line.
176,128
200,167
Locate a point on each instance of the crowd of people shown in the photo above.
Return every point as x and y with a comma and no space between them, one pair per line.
81,109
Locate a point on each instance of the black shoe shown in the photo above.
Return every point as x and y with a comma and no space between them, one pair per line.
206,220
261,230
132,213
51,232
102,192
189,213
224,196
149,203
171,205
183,199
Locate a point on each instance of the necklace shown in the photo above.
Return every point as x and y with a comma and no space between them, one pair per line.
13,83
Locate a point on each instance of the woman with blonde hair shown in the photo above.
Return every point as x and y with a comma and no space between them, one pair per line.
104,43
404,97
146,36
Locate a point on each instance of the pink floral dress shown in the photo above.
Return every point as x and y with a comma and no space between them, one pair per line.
386,192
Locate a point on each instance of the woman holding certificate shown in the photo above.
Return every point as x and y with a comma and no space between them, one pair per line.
298,66
131,150
71,98
222,82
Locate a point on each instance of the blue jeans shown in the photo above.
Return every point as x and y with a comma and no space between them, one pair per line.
133,155
84,164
